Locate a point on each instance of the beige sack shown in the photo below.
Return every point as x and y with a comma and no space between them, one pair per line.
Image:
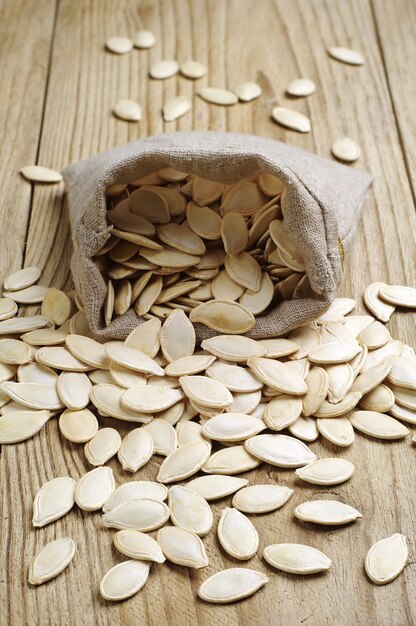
322,208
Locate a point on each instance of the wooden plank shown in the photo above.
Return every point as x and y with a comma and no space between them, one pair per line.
395,24
26,28
272,44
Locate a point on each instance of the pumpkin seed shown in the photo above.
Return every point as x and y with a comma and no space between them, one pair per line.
345,149
304,428
164,69
346,55
243,269
234,233
128,110
29,295
277,375
206,391
135,490
15,428
138,545
44,337
232,427
257,302
60,358
317,382
14,352
371,378
326,512
143,514
282,411
132,359
94,488
229,585
119,45
235,378
175,108
124,580
22,279
327,409
329,471
33,395
246,403
177,337
107,399
378,425
184,462
126,377
247,91
51,560
104,445
8,308
382,310
193,69
149,399
375,335
296,558
40,174
136,449
18,325
380,399
56,305
337,310
270,185
279,450
144,39
228,461
403,414
339,432
386,559
404,397
215,95
402,373
188,432
189,365
182,547
35,373
278,347
232,348
261,498
334,353
151,205
216,487
53,500
399,295
291,119
189,510
74,390
307,338
237,535
78,426
301,87
163,435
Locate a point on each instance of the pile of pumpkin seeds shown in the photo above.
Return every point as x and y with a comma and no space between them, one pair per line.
219,252
211,412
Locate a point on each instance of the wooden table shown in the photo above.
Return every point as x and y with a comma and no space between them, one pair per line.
58,88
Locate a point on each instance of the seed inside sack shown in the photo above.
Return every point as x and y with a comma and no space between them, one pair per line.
218,252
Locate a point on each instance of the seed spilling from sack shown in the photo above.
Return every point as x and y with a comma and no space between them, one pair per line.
221,253
238,391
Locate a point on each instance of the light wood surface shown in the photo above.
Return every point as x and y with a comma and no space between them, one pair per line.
58,88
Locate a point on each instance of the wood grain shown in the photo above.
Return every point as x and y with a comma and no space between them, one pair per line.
272,43
399,54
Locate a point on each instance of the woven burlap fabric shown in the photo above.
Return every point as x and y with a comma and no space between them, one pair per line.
322,205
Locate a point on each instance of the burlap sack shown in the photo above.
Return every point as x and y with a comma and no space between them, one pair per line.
322,207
